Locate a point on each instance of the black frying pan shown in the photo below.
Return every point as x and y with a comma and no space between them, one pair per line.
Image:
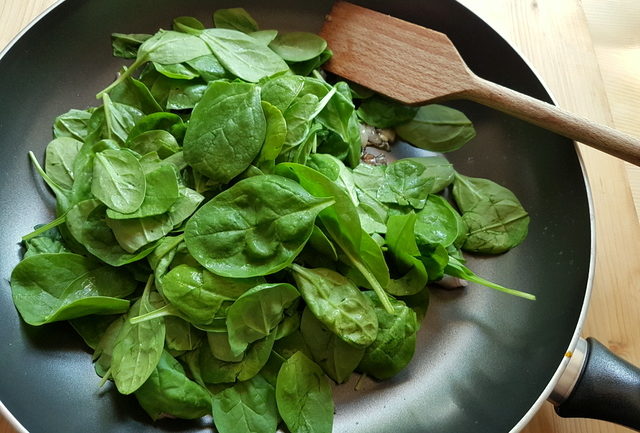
485,361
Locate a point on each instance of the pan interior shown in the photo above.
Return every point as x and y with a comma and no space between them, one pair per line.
483,358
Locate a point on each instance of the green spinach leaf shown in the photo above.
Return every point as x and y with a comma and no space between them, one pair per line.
304,396
256,227
496,220
60,286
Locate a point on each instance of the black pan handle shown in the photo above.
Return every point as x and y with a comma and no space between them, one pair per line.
606,387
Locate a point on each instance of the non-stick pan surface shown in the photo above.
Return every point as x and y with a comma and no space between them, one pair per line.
483,358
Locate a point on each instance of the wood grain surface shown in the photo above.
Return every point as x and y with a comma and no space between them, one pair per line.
588,54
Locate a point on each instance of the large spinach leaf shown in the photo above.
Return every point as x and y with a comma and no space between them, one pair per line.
338,304
496,220
51,287
226,130
256,227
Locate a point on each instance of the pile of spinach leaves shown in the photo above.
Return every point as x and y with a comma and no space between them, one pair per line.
219,244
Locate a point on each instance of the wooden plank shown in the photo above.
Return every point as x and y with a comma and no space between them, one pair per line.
546,31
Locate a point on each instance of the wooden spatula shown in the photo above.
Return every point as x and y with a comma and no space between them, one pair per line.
416,66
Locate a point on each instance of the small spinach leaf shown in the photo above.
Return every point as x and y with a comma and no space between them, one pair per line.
437,128
256,313
304,396
246,407
496,220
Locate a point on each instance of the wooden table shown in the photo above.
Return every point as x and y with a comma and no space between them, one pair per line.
588,54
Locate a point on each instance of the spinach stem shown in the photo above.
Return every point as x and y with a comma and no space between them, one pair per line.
55,223
371,279
123,76
104,379
167,310
54,186
503,289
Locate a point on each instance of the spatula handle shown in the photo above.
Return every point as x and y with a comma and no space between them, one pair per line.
550,117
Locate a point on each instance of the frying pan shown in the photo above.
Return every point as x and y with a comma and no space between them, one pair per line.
485,361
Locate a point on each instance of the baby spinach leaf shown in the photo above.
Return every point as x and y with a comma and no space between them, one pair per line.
264,36
136,94
138,347
126,45
86,223
396,341
496,220
436,223
180,336
83,169
256,313
220,348
103,353
59,157
119,118
435,258
169,393
275,136
226,131
156,140
215,371
187,25
242,55
405,183
401,242
382,112
51,287
161,192
437,128
118,180
180,71
336,357
339,116
282,90
298,117
92,328
185,287
336,171
74,123
298,46
304,396
256,227
235,19
437,168
208,67
132,234
338,304
246,407
170,122
308,66
49,241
